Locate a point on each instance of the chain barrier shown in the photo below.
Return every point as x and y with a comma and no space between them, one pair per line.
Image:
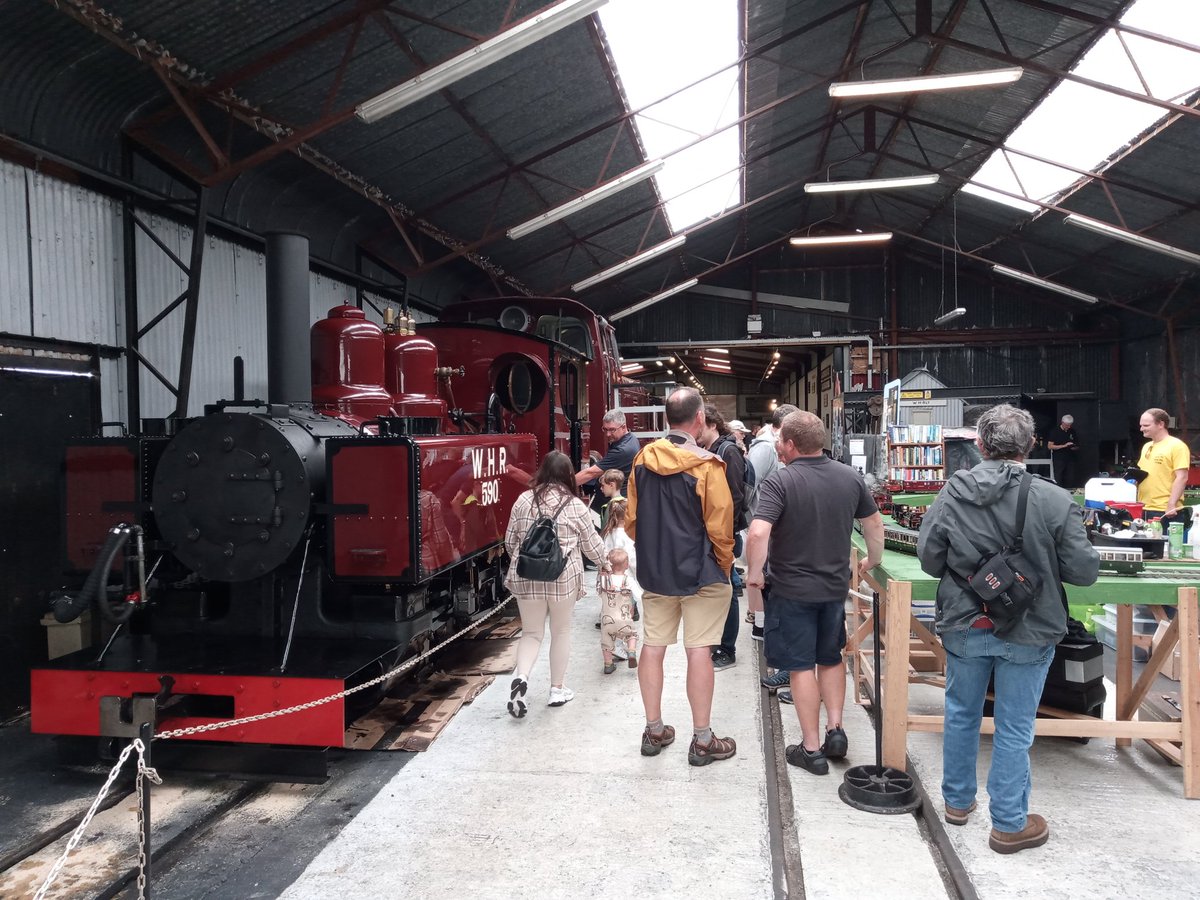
147,772
312,704
76,835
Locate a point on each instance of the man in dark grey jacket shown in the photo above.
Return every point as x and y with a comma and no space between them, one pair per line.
977,509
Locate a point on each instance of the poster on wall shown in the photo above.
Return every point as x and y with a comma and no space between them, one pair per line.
891,406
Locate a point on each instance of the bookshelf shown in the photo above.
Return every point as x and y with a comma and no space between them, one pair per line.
915,453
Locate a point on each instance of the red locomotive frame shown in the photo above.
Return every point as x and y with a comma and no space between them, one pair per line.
308,547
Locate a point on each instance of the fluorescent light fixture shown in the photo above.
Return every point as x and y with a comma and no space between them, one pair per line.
925,83
720,350
950,316
1132,237
870,237
478,57
650,301
629,179
1042,282
869,184
631,263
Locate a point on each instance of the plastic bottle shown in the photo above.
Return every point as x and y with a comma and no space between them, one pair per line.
1175,539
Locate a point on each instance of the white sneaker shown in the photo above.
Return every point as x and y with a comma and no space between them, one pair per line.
560,696
619,652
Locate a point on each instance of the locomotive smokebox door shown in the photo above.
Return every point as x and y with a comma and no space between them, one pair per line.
233,493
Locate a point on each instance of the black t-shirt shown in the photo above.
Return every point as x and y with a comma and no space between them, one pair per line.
1059,435
620,454
812,503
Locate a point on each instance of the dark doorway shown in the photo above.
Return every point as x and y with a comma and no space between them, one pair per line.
40,408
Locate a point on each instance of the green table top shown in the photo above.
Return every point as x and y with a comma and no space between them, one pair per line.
1158,585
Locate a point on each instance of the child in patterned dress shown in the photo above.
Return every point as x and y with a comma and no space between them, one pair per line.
619,591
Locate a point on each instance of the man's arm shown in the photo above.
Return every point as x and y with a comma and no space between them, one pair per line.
932,545
757,540
872,529
583,476
1078,561
717,504
1177,487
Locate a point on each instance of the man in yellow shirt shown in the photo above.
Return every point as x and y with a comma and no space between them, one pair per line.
1165,460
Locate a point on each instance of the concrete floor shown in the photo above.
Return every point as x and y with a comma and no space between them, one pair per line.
561,804
1119,825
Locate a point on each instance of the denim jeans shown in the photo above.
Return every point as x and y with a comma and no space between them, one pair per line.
973,657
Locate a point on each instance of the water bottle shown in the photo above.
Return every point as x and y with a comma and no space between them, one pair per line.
1175,540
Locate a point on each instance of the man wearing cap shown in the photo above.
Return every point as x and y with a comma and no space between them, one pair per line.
1064,449
739,431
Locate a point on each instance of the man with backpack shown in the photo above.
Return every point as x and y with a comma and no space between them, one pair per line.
976,515
716,438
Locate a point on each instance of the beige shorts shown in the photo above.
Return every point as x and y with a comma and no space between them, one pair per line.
703,615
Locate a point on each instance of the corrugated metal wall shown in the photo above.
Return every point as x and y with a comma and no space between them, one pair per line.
946,411
16,309
61,279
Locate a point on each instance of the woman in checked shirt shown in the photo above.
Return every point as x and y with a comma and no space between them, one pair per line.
553,487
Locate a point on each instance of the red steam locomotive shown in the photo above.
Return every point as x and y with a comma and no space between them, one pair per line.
294,549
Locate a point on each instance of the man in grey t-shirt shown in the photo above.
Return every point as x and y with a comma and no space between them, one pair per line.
803,521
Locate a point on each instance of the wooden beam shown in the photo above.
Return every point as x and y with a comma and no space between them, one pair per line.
1081,727
895,675
1189,690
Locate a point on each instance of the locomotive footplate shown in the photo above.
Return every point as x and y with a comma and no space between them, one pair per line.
210,681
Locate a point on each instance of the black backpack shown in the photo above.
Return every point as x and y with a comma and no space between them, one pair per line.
540,557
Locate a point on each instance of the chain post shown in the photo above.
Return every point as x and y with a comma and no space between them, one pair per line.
146,734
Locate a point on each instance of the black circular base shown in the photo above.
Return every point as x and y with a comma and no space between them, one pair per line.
879,789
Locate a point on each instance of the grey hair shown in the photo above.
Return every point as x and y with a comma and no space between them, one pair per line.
1005,432
1069,419
614,417
782,412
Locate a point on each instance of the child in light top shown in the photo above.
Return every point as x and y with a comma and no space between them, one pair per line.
615,538
619,591
611,483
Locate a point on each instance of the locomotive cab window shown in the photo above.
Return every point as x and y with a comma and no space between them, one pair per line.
520,386
566,330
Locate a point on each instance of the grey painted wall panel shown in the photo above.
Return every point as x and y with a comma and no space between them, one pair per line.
77,268
14,251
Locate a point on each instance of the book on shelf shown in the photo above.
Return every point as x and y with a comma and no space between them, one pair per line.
915,434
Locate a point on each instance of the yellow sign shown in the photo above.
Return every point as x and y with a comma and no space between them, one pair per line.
916,395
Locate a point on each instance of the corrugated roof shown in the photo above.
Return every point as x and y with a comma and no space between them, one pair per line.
549,122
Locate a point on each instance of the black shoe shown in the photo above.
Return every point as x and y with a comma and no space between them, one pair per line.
814,762
722,660
836,744
785,697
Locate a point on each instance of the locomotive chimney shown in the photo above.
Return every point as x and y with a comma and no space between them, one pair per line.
289,379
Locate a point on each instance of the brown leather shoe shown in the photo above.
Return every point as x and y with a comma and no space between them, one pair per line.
718,748
1035,833
652,743
956,816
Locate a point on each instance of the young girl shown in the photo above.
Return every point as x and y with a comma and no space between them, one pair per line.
617,588
615,538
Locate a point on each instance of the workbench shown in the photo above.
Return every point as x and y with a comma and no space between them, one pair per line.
1170,583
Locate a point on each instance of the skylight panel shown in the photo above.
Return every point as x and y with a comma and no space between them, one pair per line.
1083,126
659,47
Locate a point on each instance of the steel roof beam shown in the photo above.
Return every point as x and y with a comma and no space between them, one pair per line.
799,31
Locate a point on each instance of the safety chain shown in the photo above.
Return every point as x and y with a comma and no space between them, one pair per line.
137,745
144,771
312,704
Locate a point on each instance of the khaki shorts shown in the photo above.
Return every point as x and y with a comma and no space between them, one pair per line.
703,615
